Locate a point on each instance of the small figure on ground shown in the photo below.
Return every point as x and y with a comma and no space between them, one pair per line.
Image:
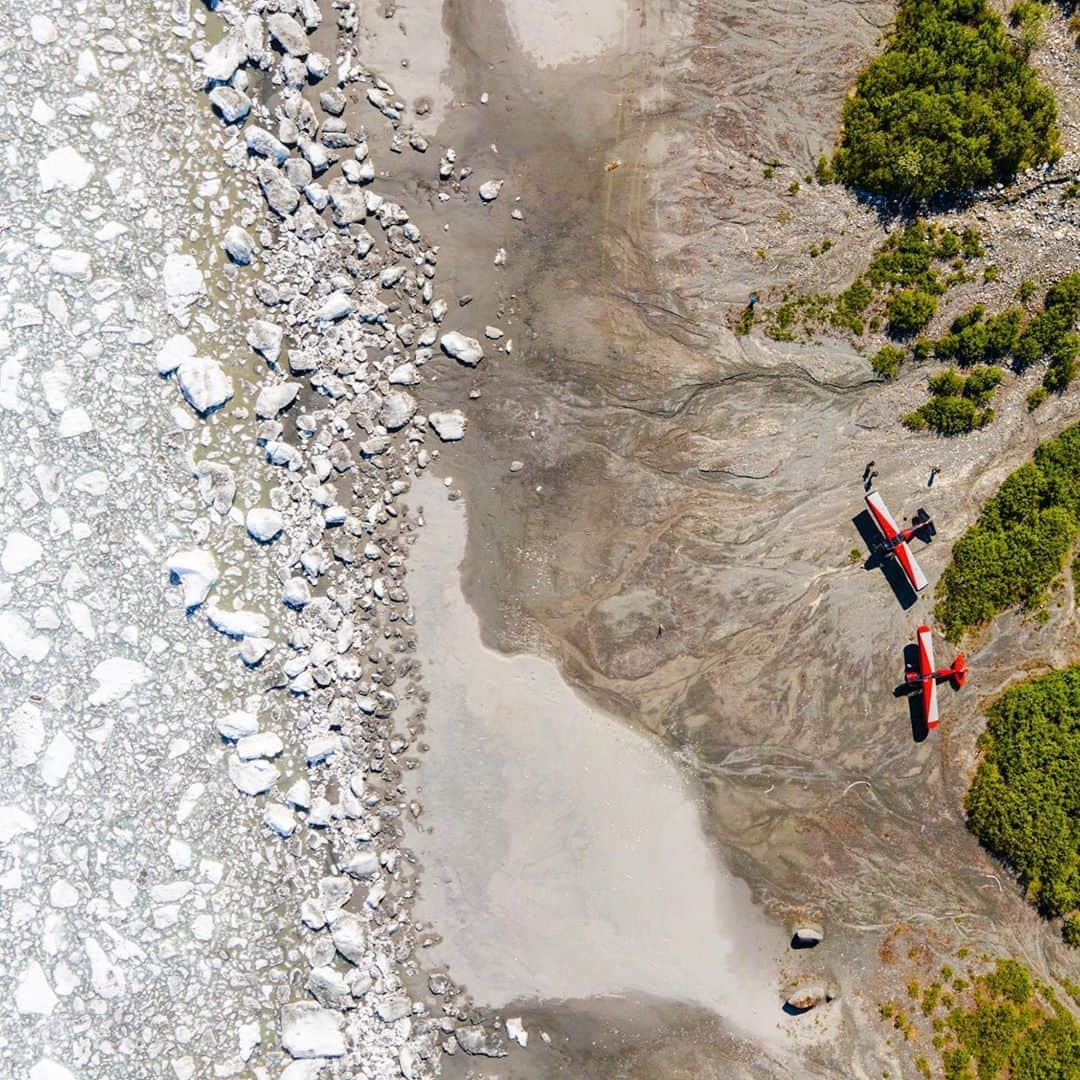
933,472
868,483
866,471
659,631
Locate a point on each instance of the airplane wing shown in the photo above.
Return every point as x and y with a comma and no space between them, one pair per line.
929,686
882,518
912,570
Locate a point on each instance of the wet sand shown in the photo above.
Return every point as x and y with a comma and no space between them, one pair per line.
563,852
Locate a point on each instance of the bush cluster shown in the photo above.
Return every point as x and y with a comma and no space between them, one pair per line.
1017,547
951,105
958,404
1024,801
1001,1024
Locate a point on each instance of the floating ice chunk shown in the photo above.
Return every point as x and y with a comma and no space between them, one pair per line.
237,725
47,1069
106,978
310,1031
27,734
64,167
264,524
252,777
203,383
18,641
183,282
178,348
33,994
116,678
21,551
195,571
237,624
58,759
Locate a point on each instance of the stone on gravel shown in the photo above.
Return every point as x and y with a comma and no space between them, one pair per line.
515,1029
336,306
216,485
465,350
280,195
476,1039
362,864
310,1031
808,996
398,408
807,936
237,623
21,551
221,60
489,191
203,383
264,524
449,426
195,571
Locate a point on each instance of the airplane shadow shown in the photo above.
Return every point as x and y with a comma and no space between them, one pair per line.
919,730
868,531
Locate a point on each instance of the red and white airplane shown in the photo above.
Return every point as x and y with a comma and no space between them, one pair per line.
928,676
894,540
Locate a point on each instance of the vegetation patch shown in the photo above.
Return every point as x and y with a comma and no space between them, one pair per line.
997,1024
958,404
1017,547
1024,801
913,267
951,105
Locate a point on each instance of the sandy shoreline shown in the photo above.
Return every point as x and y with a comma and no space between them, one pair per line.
563,854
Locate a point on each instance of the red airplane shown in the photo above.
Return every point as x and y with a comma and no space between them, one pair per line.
927,676
894,541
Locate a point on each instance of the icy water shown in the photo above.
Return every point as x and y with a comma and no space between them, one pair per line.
563,852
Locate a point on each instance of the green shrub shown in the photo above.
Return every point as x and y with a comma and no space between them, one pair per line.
946,383
971,340
909,311
1029,17
1017,547
887,360
1036,398
1071,931
948,416
823,171
1024,801
1026,291
980,385
949,106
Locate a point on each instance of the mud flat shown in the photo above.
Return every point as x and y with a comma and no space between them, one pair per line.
563,852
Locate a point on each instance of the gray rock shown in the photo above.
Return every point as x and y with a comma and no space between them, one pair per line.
328,987
252,777
807,936
220,62
393,1008
336,306
349,938
288,33
280,195
475,1039
808,996
449,426
332,102
398,408
259,141
231,105
465,350
489,192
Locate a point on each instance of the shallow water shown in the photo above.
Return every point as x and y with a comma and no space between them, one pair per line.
564,855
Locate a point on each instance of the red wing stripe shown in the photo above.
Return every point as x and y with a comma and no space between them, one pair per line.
911,567
881,514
